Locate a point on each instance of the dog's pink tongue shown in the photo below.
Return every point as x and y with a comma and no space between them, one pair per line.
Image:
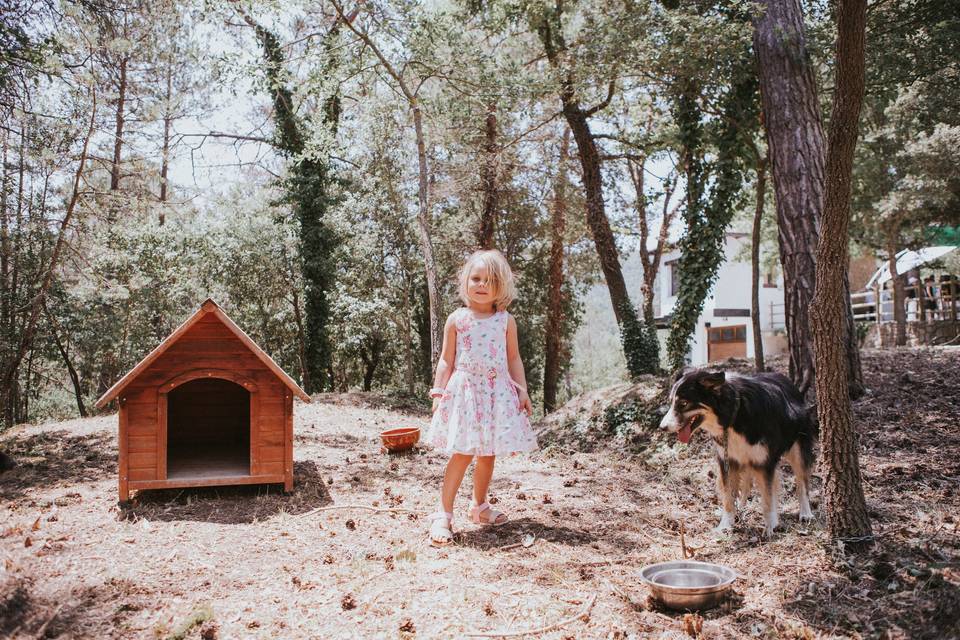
684,433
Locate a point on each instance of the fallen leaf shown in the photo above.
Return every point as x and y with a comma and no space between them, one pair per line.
36,525
692,624
28,542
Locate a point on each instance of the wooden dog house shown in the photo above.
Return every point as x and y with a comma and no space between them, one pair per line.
206,407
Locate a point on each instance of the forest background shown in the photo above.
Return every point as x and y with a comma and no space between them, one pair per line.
322,170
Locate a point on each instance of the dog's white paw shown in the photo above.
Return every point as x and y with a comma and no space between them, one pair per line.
726,523
806,515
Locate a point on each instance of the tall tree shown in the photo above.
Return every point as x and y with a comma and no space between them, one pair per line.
640,353
708,212
488,179
551,367
791,116
846,509
761,187
411,93
308,188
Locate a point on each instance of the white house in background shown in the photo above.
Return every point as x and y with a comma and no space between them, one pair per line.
724,328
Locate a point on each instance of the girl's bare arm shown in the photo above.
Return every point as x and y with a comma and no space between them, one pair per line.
448,354
515,365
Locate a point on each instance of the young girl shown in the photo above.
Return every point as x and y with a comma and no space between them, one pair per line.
480,401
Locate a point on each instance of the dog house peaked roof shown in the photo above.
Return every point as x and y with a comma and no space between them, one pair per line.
208,308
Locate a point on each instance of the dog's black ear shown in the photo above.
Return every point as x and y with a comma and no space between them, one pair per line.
713,380
682,372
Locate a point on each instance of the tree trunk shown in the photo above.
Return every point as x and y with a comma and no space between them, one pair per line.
74,378
423,192
426,244
4,240
488,181
408,332
651,263
165,154
118,131
551,367
301,339
899,295
846,510
635,342
795,141
855,386
308,185
755,265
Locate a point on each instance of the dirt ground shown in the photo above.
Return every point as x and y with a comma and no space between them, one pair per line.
254,563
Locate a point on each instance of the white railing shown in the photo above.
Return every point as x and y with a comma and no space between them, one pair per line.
918,304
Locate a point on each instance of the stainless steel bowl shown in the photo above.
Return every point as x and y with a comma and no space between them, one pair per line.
687,584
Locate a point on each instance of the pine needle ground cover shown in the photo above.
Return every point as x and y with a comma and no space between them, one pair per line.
345,556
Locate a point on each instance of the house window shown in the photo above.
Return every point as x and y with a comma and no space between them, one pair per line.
737,333
674,279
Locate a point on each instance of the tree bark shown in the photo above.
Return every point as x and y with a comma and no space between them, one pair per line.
847,517
165,153
118,128
74,378
488,180
651,262
4,240
755,266
899,295
795,141
426,244
551,367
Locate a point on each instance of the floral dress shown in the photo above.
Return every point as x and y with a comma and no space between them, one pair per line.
480,413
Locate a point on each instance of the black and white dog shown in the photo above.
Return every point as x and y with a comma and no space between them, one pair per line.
754,420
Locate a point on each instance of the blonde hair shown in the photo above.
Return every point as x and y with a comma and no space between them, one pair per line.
499,277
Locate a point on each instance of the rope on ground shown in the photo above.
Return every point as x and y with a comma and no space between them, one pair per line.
354,506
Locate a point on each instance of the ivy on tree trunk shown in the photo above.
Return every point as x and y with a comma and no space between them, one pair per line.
308,191
702,246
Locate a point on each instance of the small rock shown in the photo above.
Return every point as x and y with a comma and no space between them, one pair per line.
351,525
209,629
347,602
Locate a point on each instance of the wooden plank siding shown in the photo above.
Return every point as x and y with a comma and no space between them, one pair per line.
205,391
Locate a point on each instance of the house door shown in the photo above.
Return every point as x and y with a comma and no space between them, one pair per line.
726,342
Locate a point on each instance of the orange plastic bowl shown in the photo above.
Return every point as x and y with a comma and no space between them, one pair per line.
400,439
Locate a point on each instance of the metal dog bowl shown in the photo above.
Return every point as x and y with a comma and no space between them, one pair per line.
687,584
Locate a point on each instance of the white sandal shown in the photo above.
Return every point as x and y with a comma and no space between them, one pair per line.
493,518
441,533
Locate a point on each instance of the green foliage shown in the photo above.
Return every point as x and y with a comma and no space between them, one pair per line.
702,246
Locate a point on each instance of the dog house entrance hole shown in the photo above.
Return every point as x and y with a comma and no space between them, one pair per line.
208,430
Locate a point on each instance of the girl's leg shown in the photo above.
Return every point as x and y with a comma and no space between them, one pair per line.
452,477
482,474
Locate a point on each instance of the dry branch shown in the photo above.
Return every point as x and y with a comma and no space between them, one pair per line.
585,614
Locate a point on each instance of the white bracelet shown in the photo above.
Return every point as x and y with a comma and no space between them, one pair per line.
437,392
